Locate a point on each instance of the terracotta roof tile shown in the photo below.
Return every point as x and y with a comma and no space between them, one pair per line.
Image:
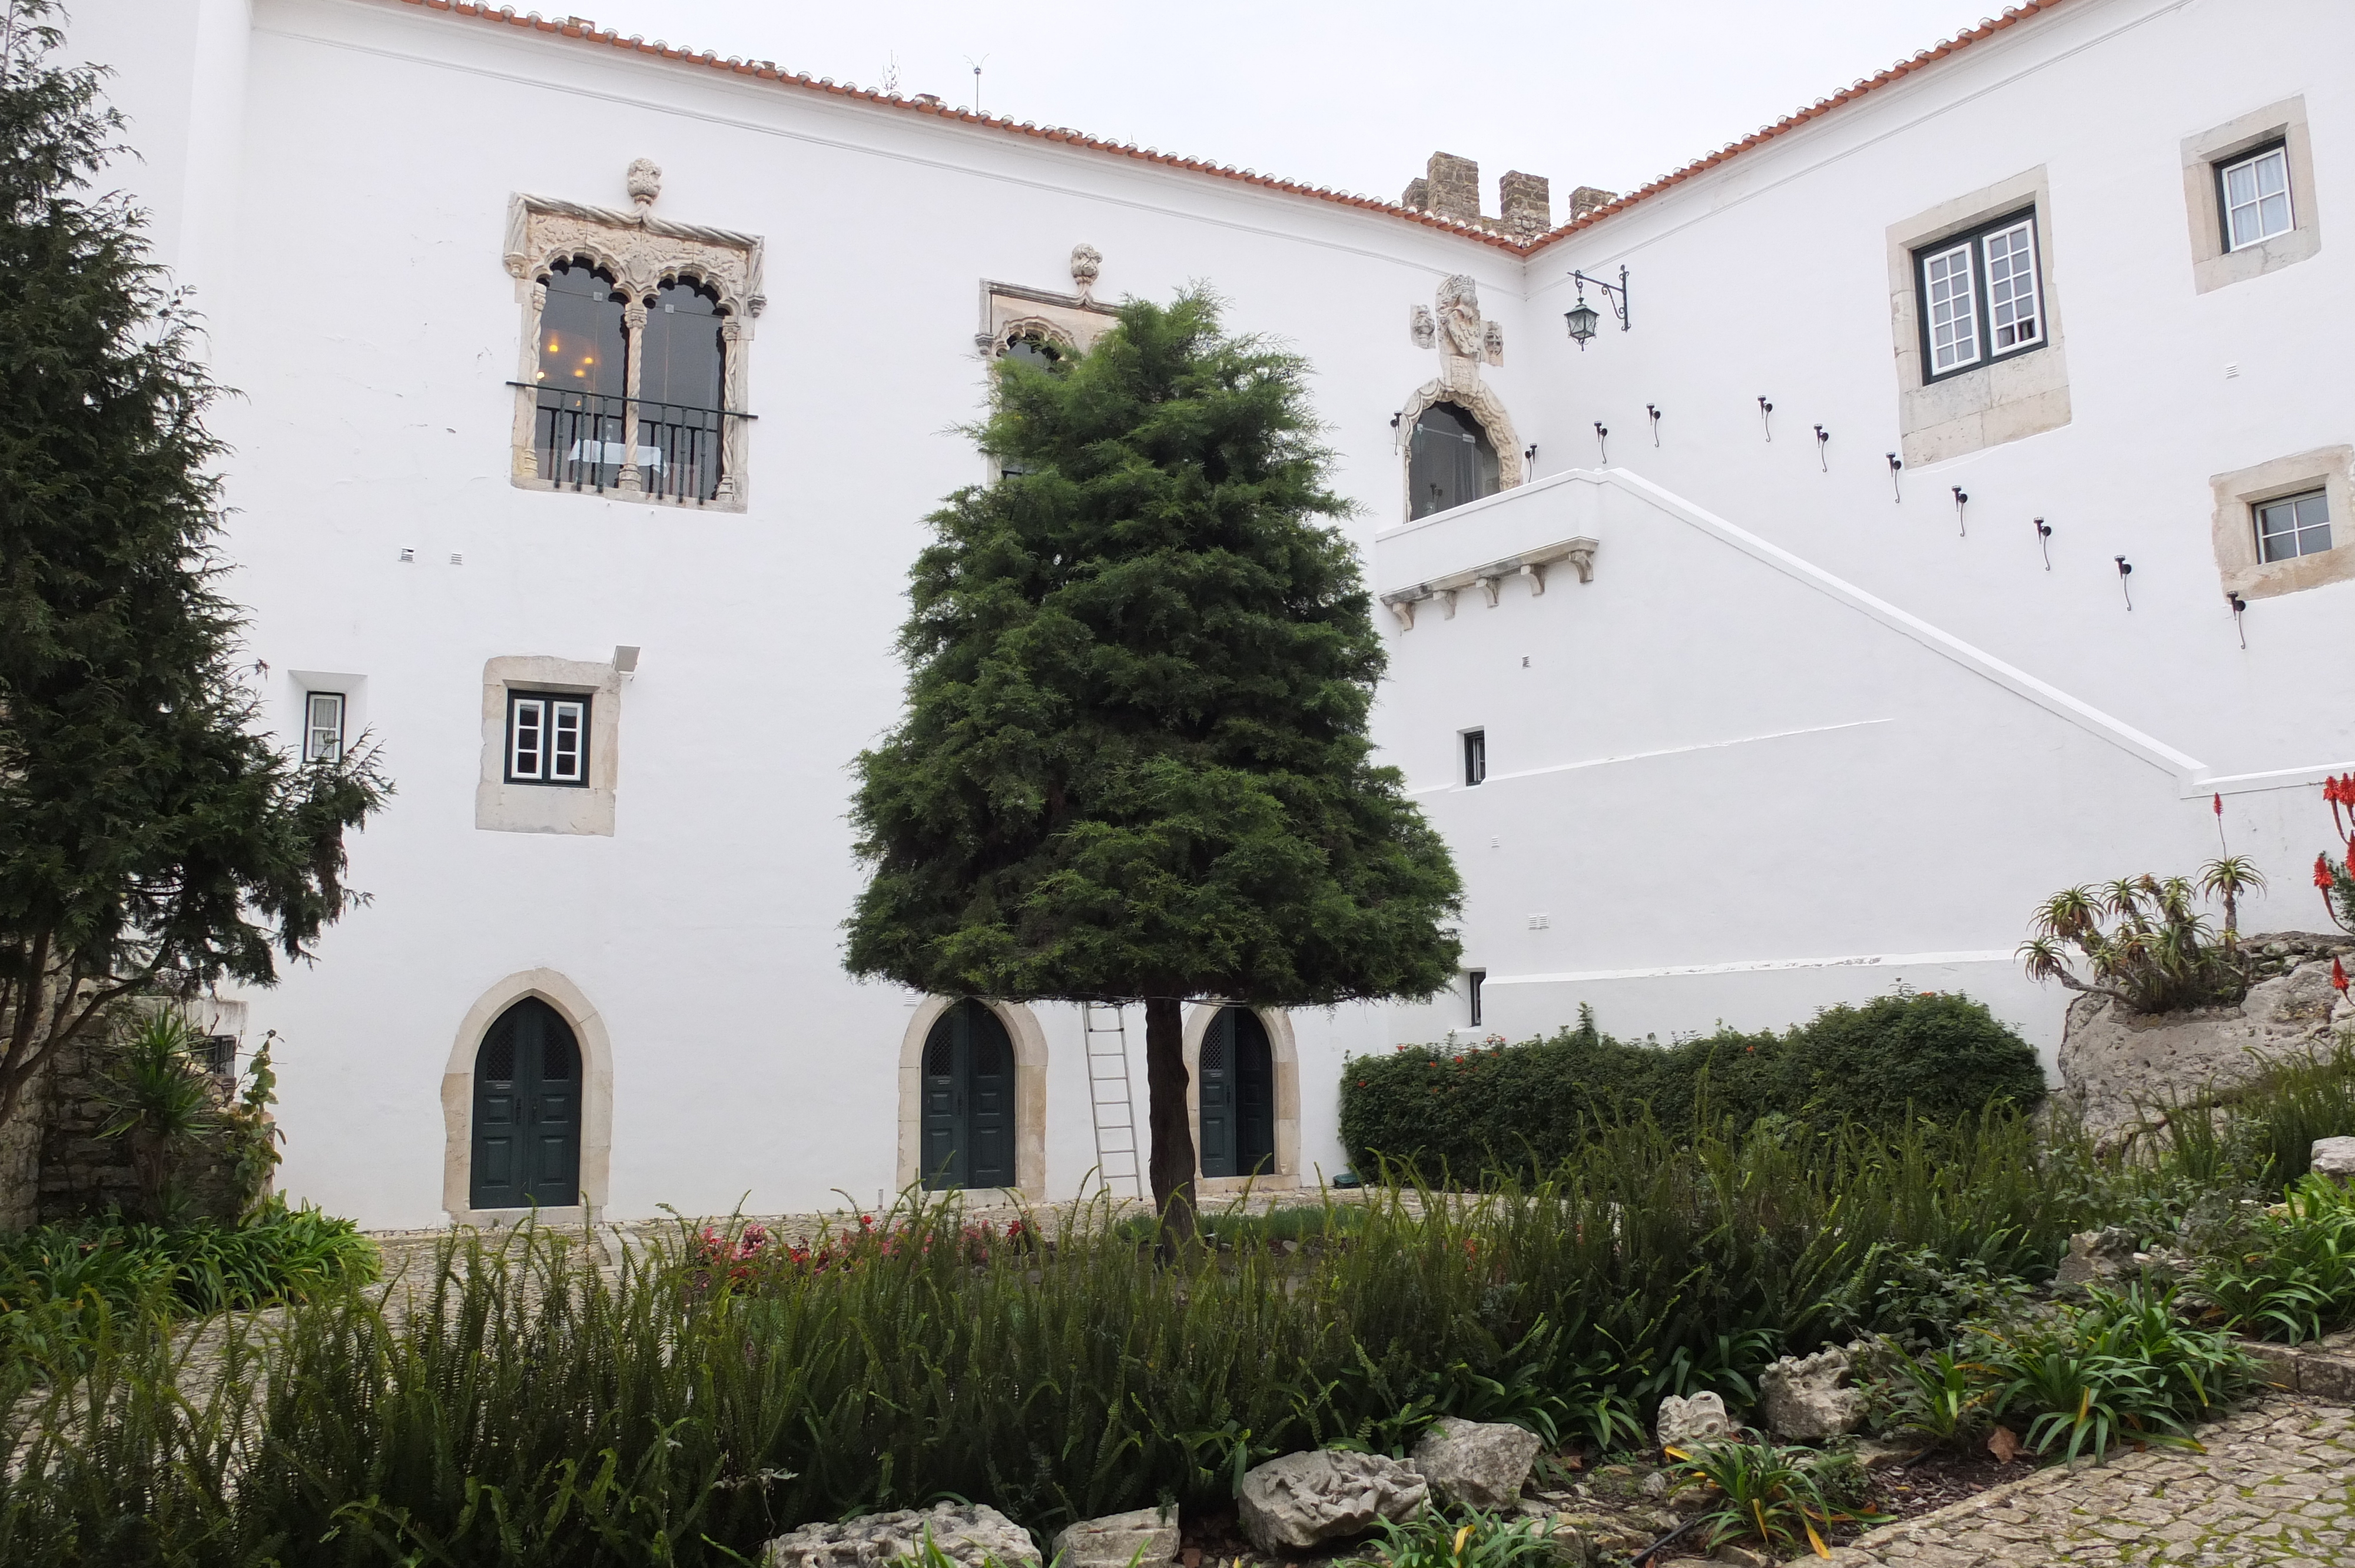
588,32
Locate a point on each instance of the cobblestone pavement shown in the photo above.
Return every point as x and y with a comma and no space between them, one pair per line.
2276,1488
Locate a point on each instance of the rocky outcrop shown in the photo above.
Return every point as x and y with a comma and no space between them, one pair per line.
2334,1158
1476,1464
1306,1500
1802,1399
1145,1538
2115,1062
1684,1423
968,1535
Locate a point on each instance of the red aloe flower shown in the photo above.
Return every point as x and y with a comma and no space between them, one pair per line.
2217,800
2322,872
2338,976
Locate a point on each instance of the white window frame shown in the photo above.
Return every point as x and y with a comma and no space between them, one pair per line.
323,741
2277,157
539,725
2002,295
2299,527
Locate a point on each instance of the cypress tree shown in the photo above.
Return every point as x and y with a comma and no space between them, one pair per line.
1133,765
152,840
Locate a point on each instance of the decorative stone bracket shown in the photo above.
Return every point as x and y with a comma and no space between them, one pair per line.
1490,580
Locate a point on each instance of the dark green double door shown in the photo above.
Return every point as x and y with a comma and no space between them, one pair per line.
527,1111
1237,1095
968,1100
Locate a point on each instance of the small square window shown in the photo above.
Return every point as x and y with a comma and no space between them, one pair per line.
1475,756
2255,194
323,727
1980,298
548,739
2293,525
1474,982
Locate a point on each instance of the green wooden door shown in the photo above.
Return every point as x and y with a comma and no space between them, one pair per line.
527,1112
968,1100
1236,1095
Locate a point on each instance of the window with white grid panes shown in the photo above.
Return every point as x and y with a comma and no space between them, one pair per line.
1980,300
323,727
2293,525
548,739
2254,191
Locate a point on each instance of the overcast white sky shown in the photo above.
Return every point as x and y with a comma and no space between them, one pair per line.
1354,95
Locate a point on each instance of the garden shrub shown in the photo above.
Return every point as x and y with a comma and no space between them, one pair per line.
1454,1114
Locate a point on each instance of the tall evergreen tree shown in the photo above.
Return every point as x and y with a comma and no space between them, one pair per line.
1135,765
151,839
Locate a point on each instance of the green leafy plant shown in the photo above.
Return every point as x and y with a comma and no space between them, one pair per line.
2126,1368
2143,941
1775,1495
1433,1540
160,1100
1942,1397
2290,1274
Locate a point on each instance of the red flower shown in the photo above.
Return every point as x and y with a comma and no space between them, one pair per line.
2338,976
2330,790
2218,801
2322,872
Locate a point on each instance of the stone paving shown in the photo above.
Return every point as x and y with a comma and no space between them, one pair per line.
2276,1488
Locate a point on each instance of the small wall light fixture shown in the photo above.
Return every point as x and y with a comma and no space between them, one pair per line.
1581,316
1766,416
1822,437
1530,456
1602,436
1395,417
408,555
2125,570
1896,466
2044,541
2238,604
1653,414
1962,498
625,659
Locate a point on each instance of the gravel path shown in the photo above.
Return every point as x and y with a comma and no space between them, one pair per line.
2275,1490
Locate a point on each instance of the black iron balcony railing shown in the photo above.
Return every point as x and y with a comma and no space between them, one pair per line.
581,440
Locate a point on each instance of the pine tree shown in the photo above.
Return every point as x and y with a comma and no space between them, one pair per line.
152,840
1135,764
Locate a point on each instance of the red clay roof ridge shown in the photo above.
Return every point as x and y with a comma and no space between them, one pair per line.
588,32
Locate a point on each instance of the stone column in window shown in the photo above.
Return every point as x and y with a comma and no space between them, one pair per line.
526,418
732,397
633,333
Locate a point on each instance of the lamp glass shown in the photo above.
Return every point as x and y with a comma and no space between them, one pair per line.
1581,320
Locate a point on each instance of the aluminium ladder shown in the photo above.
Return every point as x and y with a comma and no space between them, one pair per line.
1119,1159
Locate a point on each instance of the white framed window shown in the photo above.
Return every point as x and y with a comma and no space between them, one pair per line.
1981,298
323,727
1475,757
2293,525
2255,194
548,739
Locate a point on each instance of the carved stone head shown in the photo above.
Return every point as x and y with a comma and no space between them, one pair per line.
1086,262
645,182
1459,315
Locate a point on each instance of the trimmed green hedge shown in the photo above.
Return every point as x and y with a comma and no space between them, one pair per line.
1526,1108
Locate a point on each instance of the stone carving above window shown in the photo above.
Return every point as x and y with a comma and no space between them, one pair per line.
1072,322
640,255
1466,342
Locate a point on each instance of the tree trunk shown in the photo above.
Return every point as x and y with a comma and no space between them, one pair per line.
1173,1158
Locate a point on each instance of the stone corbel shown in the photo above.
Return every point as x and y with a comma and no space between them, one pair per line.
1490,578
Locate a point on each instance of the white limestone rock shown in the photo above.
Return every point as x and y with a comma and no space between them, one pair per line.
1305,1499
968,1535
1688,1423
1145,1537
1802,1399
2098,1257
2335,1158
1476,1464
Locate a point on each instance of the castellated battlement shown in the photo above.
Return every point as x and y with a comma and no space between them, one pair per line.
1450,187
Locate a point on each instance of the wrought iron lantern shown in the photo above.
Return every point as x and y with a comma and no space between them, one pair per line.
1583,317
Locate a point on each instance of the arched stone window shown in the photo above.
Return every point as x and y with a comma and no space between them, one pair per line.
680,391
1450,460
583,376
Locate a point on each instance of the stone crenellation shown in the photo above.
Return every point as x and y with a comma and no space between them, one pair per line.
1450,188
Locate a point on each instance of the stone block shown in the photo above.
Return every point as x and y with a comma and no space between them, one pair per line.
967,1534
1802,1399
1142,1538
2335,1158
2327,1378
1476,1464
1684,1423
1302,1500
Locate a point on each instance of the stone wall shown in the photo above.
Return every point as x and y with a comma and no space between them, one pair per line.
20,1160
82,1173
2114,1060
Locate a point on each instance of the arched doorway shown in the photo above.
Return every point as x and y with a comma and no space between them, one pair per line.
1237,1095
968,1100
1450,460
527,1121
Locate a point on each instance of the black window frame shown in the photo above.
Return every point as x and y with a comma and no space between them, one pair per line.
1476,757
2216,167
1982,312
1474,982
518,695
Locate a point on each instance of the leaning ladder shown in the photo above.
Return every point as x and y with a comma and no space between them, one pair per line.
1119,1160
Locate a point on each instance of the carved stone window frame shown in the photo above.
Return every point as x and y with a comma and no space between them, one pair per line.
1475,397
643,252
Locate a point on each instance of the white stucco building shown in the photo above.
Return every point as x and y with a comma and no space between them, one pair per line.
1816,722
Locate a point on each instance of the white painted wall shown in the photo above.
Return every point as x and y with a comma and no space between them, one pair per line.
336,174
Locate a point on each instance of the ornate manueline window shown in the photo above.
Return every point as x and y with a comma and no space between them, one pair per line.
637,330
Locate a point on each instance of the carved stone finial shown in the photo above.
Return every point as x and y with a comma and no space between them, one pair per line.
1086,262
645,182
